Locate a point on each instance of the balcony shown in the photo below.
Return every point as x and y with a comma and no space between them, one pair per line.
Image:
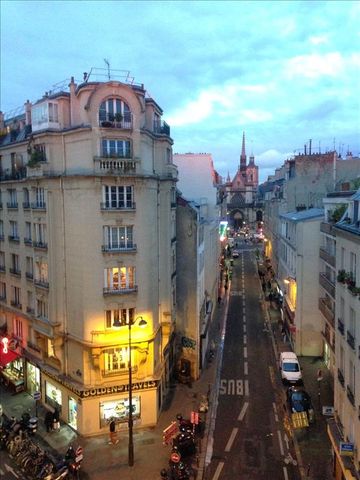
341,377
28,242
16,304
15,271
327,284
350,395
41,283
350,339
122,291
326,311
34,347
14,238
40,245
116,120
26,205
327,228
327,257
17,174
29,275
130,248
2,268
115,165
12,205
341,326
38,206
161,128
30,310
124,207
38,170
2,298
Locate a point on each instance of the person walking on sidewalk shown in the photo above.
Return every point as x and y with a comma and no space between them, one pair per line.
112,432
49,421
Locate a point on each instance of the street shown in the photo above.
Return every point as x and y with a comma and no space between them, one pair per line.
249,440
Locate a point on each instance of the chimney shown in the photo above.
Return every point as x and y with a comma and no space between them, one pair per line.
2,123
27,113
305,149
310,146
72,87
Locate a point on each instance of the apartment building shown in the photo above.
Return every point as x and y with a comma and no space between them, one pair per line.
345,427
88,252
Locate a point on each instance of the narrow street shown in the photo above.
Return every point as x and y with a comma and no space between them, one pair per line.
249,439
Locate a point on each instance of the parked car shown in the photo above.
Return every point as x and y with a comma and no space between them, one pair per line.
235,254
290,368
300,401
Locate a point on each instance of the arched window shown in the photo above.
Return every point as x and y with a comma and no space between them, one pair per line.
116,112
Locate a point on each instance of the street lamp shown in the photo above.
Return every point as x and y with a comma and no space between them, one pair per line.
142,323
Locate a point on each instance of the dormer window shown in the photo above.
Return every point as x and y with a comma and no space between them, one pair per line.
115,113
44,115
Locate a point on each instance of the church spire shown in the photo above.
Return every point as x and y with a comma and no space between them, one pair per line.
243,154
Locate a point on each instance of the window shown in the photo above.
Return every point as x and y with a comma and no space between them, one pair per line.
39,197
30,302
16,296
116,359
26,195
12,195
41,308
44,113
118,197
53,112
40,233
29,267
1,229
115,148
27,238
119,278
352,322
15,264
342,258
2,260
18,328
41,272
14,234
119,318
118,237
2,291
114,109
353,265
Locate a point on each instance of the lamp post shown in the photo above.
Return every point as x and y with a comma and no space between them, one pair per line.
142,323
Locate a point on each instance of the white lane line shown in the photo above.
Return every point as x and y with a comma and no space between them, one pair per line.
244,328
231,439
218,471
275,412
245,339
245,352
246,368
280,443
246,388
243,411
244,319
285,473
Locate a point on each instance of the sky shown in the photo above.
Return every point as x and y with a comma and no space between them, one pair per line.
283,72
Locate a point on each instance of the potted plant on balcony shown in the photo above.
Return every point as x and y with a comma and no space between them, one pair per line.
118,117
341,276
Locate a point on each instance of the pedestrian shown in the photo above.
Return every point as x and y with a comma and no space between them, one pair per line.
49,421
283,334
56,419
113,433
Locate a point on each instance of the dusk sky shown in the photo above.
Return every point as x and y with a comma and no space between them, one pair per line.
284,72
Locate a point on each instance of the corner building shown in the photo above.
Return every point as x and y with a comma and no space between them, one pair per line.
88,245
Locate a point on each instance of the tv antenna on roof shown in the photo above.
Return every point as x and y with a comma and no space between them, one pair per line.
108,66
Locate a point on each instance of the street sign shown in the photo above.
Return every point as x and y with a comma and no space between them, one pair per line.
79,456
328,411
346,448
300,420
170,432
37,395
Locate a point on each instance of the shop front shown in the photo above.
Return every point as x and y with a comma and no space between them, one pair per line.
32,378
11,365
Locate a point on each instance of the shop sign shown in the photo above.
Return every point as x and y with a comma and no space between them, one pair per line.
346,449
96,392
328,411
37,395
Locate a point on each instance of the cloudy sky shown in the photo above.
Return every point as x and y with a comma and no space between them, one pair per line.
282,71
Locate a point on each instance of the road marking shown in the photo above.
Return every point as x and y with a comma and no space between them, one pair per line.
245,352
244,327
231,439
286,440
246,388
243,411
10,469
218,471
231,387
275,412
245,368
285,473
280,443
245,339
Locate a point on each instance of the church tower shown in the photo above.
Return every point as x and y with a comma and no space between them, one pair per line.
243,155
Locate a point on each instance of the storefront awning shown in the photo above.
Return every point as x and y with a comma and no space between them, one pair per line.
7,357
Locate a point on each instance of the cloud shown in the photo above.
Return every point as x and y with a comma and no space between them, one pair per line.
318,39
314,65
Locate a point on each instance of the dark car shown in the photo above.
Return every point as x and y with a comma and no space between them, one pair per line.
300,401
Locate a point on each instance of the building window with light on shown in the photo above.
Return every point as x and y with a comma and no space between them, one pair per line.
119,318
119,278
118,238
116,360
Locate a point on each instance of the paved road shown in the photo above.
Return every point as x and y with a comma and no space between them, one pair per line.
249,438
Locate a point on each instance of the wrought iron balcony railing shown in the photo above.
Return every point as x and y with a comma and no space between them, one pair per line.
350,339
130,247
125,206
341,377
121,291
341,326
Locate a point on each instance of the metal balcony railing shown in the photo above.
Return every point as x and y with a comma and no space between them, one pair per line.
39,244
16,304
327,256
28,241
12,205
326,311
350,339
29,275
14,238
341,377
116,120
38,205
26,205
30,310
327,284
350,395
125,206
341,326
15,271
121,291
41,283
130,247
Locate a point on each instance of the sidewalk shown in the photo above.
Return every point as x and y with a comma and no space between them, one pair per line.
107,462
313,442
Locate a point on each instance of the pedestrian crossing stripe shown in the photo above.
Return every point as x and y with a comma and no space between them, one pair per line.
300,420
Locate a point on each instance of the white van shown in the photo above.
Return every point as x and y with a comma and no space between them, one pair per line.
290,368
